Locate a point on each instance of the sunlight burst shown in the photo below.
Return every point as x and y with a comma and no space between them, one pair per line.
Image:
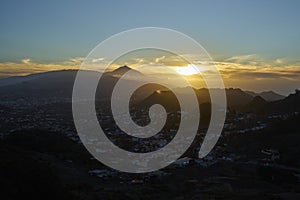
188,70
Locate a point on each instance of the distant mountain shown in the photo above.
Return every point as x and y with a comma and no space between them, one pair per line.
258,105
57,86
32,77
288,104
257,101
49,85
169,101
122,70
235,96
165,98
267,95
203,95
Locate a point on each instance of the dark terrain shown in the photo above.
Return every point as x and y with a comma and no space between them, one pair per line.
43,158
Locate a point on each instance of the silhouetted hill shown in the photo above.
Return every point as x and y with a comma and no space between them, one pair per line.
271,96
49,85
288,104
53,86
267,95
57,86
236,96
256,101
165,98
256,105
122,70
39,78
169,101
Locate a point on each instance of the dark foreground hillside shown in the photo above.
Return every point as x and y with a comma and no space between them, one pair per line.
41,156
46,165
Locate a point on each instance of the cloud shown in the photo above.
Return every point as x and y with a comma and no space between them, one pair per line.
245,67
251,59
26,61
247,71
157,60
254,67
97,60
171,60
77,60
279,61
242,58
27,66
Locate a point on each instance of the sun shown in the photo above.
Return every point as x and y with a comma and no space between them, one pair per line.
188,70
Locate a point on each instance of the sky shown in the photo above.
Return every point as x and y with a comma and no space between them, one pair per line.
255,43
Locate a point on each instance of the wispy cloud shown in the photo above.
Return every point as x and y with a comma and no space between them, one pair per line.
246,71
157,60
253,72
257,68
245,59
27,66
97,60
26,61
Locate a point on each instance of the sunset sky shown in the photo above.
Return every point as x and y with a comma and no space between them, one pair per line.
255,44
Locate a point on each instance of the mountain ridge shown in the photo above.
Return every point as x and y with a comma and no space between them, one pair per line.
267,95
59,84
